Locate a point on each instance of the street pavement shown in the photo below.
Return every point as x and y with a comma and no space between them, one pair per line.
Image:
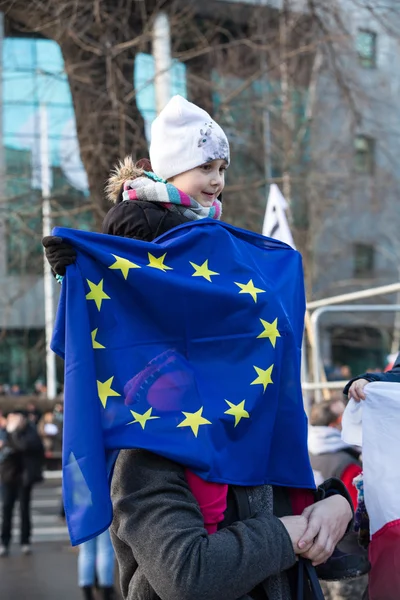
50,572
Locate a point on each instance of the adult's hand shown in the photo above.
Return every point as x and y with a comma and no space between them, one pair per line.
296,526
60,254
356,389
327,523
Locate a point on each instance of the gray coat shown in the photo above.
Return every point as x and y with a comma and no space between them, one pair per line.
164,551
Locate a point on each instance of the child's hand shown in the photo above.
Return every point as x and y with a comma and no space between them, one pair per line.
327,524
356,390
296,526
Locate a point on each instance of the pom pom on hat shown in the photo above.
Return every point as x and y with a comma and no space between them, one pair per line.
183,137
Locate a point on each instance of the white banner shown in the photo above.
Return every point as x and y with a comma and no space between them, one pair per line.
275,222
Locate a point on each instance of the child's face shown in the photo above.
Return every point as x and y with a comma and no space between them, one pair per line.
204,183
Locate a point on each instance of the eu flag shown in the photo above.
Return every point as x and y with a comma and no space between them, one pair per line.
188,346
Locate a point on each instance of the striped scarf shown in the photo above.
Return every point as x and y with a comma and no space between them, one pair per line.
153,189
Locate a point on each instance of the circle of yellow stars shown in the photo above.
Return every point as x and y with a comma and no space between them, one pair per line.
192,420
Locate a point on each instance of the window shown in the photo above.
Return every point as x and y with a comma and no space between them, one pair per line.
22,357
364,258
33,74
364,148
366,48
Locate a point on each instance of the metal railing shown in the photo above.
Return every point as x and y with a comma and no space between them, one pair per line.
318,384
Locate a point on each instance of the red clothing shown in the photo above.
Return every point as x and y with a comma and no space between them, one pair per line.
300,499
212,499
350,472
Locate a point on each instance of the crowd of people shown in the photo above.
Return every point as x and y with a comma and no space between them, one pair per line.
31,441
21,467
39,389
28,439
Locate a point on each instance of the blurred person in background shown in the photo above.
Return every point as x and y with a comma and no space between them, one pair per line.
58,413
20,468
329,455
3,437
15,390
96,563
50,431
33,413
40,389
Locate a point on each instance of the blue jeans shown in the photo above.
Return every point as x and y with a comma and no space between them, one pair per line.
96,556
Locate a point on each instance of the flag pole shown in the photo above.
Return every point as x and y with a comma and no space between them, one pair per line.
276,226
161,49
47,276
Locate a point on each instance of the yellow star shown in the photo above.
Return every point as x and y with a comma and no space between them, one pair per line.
203,271
248,288
237,410
104,390
142,419
270,331
158,263
124,264
96,293
95,343
264,377
194,420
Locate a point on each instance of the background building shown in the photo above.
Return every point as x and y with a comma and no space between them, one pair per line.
33,75
322,124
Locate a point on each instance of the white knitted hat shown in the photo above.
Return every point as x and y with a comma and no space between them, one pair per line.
183,137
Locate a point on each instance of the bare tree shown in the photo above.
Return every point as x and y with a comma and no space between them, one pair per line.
278,79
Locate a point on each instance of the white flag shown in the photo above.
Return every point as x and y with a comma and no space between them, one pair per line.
275,221
378,416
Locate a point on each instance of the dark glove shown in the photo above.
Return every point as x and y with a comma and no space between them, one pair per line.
60,254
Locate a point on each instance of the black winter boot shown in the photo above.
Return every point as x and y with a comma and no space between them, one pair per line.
107,593
87,591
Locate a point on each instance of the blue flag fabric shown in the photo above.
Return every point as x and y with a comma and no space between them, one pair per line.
188,346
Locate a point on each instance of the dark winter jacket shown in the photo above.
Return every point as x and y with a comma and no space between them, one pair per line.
165,553
136,219
23,457
141,220
390,376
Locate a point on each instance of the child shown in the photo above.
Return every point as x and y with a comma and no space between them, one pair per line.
183,181
189,154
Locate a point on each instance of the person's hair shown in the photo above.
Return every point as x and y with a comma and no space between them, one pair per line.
124,170
321,414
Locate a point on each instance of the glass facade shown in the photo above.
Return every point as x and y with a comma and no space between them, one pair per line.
33,75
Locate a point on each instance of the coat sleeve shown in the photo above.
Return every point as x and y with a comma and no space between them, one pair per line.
392,376
158,519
